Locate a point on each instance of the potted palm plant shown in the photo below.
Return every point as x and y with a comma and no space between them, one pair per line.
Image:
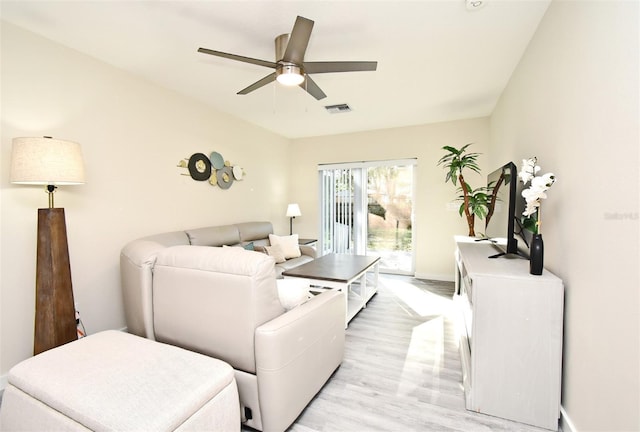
475,202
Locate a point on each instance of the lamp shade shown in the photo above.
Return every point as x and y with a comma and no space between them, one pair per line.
293,210
46,161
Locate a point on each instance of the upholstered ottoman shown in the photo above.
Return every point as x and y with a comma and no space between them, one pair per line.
114,381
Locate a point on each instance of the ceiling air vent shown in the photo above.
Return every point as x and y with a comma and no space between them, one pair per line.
340,108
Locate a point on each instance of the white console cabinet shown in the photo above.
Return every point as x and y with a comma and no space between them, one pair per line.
511,340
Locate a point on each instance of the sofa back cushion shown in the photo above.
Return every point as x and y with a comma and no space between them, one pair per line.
214,236
255,231
228,292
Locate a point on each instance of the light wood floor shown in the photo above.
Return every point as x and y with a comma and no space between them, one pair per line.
401,370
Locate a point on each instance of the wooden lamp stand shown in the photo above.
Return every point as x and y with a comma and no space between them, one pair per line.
55,322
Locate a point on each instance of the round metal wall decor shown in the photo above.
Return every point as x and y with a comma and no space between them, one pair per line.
237,172
225,177
217,160
213,169
199,167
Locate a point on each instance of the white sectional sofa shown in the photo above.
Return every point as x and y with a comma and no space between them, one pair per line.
137,259
223,302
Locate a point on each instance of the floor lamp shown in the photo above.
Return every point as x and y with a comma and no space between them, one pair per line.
293,210
50,162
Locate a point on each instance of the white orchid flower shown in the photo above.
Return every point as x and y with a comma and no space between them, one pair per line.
536,192
529,169
549,179
530,210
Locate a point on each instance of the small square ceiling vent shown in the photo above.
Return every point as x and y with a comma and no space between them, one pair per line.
340,108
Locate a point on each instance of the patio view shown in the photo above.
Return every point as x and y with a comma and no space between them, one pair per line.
368,210
389,230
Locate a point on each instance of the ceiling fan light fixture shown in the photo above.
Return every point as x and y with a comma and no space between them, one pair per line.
289,75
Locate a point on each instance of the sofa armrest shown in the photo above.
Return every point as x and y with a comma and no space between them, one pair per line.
309,251
295,355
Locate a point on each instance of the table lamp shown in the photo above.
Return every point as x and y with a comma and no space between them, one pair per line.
52,163
293,210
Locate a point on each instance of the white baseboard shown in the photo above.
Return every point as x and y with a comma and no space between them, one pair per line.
446,277
566,425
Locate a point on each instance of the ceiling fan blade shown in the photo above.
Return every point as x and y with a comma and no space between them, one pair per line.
339,66
298,41
238,58
312,88
256,85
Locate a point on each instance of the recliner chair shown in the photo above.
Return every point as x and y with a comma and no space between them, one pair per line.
223,302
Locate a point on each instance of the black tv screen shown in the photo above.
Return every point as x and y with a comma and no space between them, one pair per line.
500,220
522,235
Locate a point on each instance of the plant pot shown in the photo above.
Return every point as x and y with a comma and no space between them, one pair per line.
536,255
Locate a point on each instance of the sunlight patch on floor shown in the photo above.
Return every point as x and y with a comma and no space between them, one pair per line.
420,302
425,353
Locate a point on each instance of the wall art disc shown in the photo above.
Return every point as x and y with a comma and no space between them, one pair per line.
225,177
237,172
217,160
199,167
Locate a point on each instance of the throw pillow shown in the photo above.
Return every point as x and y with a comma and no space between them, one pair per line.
249,246
292,292
289,244
276,252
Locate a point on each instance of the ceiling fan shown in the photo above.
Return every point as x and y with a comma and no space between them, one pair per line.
290,67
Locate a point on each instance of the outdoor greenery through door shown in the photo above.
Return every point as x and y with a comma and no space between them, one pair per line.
367,209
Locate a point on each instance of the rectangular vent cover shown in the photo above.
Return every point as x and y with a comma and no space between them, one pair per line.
340,108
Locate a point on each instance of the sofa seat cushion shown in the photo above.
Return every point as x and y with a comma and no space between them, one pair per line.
295,262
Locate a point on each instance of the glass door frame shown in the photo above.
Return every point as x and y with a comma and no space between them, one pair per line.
360,206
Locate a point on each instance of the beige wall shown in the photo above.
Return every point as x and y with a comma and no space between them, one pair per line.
133,134
573,103
435,224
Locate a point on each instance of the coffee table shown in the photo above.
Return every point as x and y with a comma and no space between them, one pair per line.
342,272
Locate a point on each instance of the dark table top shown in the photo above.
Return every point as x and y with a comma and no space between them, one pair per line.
332,267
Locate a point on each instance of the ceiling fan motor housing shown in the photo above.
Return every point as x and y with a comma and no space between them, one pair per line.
281,46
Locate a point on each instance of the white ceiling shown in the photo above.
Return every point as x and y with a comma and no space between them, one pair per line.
437,61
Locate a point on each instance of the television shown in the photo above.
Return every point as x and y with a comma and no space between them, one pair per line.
524,236
502,222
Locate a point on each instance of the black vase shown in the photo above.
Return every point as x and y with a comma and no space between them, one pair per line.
536,255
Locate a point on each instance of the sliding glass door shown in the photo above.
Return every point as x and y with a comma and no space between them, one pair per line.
367,209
